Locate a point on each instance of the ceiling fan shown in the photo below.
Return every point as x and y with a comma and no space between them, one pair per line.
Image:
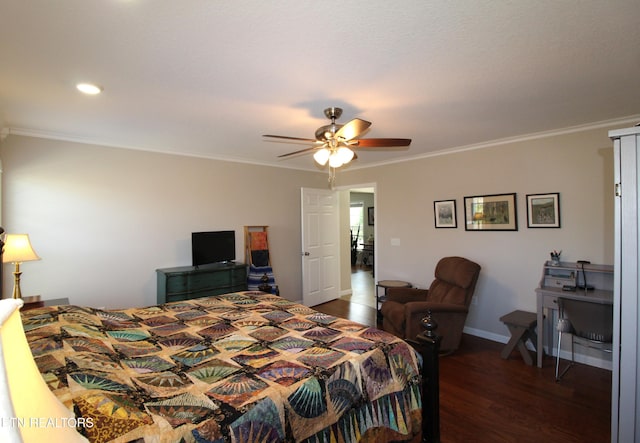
335,143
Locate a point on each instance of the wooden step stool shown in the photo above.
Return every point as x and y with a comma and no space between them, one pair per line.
522,325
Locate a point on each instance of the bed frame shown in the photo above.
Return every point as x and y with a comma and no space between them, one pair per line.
427,344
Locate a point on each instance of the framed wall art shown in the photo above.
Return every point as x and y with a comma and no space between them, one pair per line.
543,210
496,212
444,212
370,220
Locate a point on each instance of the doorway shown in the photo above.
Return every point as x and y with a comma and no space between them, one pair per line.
362,245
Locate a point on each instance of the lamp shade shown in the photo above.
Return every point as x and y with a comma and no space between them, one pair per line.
18,249
322,156
29,411
346,154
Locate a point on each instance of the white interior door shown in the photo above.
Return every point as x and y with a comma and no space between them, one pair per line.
320,246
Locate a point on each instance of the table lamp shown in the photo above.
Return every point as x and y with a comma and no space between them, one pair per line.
17,249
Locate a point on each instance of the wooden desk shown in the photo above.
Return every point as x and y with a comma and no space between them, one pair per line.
599,276
550,289
547,299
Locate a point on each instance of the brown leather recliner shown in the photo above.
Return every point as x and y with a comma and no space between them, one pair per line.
448,298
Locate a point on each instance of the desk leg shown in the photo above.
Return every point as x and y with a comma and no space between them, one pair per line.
540,330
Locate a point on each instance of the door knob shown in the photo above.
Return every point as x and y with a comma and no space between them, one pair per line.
306,254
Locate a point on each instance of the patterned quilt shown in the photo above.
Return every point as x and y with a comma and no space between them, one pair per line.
238,367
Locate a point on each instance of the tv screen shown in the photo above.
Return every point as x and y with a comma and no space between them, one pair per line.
213,247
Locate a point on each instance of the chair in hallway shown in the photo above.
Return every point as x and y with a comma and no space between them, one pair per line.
589,324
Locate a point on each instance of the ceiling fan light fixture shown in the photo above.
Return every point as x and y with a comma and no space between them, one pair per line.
335,161
345,154
336,143
326,132
322,156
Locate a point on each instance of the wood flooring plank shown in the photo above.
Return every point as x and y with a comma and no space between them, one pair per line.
484,398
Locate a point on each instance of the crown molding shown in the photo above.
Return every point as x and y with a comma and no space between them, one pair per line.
609,124
25,132
631,120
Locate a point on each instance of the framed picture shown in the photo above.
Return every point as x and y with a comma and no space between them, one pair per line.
543,210
370,216
444,212
495,212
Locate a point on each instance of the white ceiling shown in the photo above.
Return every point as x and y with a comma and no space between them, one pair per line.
208,77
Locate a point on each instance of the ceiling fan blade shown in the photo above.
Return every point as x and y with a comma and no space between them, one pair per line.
298,152
284,137
352,129
381,142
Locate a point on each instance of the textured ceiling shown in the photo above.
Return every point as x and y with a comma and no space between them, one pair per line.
208,77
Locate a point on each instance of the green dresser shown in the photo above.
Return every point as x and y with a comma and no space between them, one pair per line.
186,282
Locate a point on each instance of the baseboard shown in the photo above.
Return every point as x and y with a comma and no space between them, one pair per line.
487,335
579,358
342,294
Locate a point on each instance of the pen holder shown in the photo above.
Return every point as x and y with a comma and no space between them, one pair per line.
555,259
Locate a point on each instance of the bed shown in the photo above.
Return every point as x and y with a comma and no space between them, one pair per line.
238,367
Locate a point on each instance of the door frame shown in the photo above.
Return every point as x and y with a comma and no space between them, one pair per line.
344,269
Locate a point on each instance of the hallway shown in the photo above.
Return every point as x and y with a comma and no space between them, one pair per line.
362,286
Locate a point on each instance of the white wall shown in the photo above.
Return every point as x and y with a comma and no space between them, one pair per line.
577,165
104,219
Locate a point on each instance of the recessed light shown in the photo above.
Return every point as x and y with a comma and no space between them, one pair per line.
89,88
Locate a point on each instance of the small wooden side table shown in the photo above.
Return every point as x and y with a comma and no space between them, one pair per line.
35,301
386,284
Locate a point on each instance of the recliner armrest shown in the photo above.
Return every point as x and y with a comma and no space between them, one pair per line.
424,306
406,295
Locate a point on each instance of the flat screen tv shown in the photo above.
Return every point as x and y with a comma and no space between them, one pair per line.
213,247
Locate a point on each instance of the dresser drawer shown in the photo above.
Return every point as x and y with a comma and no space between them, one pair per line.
187,282
176,283
239,277
207,280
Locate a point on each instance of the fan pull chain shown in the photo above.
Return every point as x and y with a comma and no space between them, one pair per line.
332,177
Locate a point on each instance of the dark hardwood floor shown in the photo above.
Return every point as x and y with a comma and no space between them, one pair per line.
484,398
